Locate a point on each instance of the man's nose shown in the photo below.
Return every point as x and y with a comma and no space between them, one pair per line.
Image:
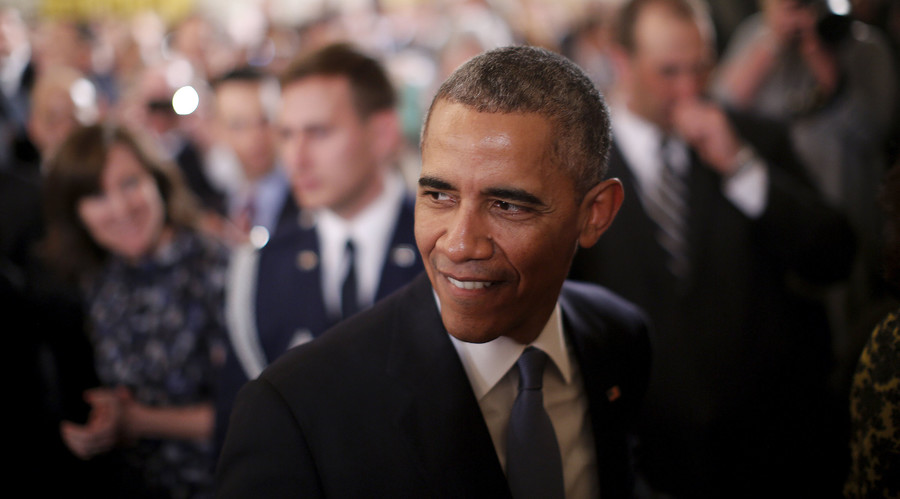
688,85
468,236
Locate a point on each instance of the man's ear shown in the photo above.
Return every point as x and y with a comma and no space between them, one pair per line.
598,209
384,133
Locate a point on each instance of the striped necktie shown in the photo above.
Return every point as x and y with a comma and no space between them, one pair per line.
667,205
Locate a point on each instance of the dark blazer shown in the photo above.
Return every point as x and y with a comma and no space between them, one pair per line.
742,349
289,281
288,301
381,406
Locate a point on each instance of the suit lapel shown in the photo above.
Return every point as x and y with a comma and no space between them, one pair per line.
437,411
402,262
592,351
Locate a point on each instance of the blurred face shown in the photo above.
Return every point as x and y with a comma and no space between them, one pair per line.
52,118
670,64
127,216
331,155
497,222
242,124
789,19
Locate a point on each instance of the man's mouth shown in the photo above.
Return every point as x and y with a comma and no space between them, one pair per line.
469,284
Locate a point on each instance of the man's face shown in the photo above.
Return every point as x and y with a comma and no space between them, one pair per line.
52,118
331,155
670,64
497,221
242,124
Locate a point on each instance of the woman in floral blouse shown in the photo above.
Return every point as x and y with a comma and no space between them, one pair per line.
875,395
120,222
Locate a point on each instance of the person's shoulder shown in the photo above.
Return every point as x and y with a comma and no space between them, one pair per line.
594,303
295,239
354,346
203,253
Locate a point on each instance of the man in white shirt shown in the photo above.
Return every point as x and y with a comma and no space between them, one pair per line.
723,244
352,242
489,376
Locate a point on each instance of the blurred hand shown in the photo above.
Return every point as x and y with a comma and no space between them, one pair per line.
705,127
789,21
101,431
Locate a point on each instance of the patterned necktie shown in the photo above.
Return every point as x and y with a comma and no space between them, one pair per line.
533,462
246,213
349,295
667,206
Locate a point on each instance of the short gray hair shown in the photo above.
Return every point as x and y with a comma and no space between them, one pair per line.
534,80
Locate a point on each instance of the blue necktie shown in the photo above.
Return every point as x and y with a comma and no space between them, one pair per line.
533,463
349,296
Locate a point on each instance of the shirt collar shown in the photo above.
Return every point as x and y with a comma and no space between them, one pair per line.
371,231
375,218
639,142
487,363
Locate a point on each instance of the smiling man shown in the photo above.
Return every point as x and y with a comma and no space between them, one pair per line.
491,376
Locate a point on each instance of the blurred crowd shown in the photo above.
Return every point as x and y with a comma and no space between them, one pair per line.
202,93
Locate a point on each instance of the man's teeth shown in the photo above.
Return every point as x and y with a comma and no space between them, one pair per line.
468,284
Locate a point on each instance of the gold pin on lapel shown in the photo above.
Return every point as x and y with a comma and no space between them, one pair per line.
613,393
307,260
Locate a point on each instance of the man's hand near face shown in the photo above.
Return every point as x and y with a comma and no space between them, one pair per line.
705,127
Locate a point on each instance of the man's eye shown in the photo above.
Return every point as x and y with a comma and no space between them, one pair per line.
437,196
506,206
318,132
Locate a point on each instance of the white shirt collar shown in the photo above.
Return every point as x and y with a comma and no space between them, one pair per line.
487,363
639,142
371,230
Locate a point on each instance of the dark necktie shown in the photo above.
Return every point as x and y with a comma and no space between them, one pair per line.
349,294
533,462
667,206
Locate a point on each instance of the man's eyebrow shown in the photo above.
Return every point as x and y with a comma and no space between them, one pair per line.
514,195
434,183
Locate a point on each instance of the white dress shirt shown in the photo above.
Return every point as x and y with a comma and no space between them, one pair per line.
639,141
371,231
490,369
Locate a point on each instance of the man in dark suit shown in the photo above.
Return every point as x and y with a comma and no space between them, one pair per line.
723,244
352,243
418,396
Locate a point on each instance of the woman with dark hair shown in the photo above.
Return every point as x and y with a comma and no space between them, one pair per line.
875,395
122,225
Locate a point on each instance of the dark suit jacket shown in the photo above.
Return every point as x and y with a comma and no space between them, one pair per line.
381,406
288,297
742,350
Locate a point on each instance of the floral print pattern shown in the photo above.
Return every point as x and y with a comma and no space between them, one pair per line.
875,416
158,329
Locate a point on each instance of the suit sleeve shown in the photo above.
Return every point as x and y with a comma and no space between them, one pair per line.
798,228
231,379
804,233
265,452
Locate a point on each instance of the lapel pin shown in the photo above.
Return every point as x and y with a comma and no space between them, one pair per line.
307,260
613,393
